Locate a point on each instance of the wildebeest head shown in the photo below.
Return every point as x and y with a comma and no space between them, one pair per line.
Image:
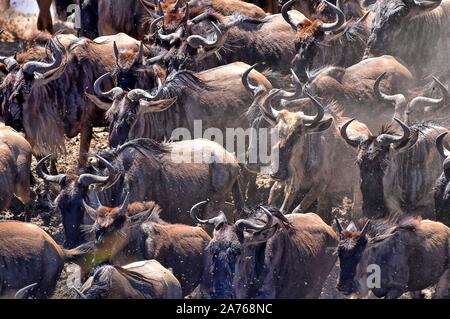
350,250
112,226
292,128
390,18
309,34
126,62
69,203
224,250
126,113
174,20
22,74
373,159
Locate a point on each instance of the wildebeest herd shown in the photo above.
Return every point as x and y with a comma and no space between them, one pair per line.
356,91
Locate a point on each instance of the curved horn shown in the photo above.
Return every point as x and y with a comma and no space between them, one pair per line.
155,59
186,14
351,142
124,207
313,120
43,68
284,13
398,99
177,5
221,218
339,226
387,139
244,224
365,229
116,53
79,293
289,96
111,94
137,94
427,5
420,100
270,113
340,19
89,179
172,37
443,151
58,179
139,55
154,25
160,9
24,292
197,41
244,78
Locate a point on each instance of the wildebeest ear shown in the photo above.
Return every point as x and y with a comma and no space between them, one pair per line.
156,106
321,126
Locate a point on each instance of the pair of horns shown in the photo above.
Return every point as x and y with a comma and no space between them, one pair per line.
383,139
84,179
241,225
352,228
340,17
92,211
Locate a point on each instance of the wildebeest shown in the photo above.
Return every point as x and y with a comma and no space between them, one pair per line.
134,231
217,97
275,256
15,169
411,255
414,31
352,87
398,169
175,175
319,44
140,280
28,255
442,186
312,159
46,100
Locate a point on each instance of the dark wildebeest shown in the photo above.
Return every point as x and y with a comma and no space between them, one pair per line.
135,232
409,256
320,44
46,100
317,165
217,97
398,169
15,169
28,255
175,175
140,280
442,186
414,31
352,87
272,257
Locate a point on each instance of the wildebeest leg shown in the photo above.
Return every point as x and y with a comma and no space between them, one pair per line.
23,184
239,202
85,142
311,196
276,195
45,22
324,207
291,192
443,286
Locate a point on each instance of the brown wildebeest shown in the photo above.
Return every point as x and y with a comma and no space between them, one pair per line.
398,168
140,280
405,257
46,100
15,169
164,172
135,232
272,257
28,255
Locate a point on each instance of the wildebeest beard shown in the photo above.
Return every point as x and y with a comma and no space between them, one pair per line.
372,166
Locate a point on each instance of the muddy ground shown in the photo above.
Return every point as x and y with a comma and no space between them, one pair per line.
18,27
